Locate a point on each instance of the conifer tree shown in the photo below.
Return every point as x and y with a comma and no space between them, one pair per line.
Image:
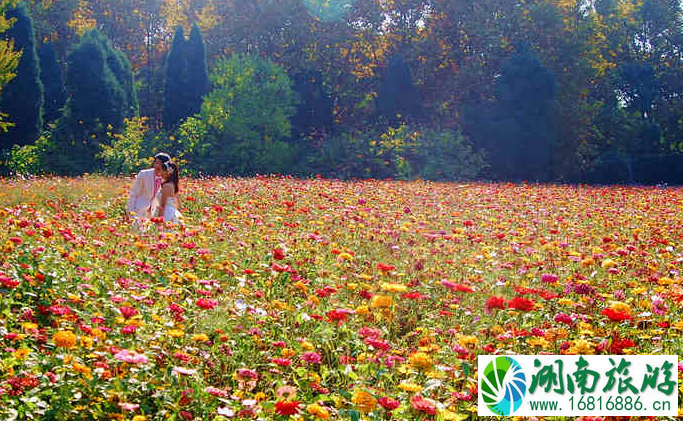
196,71
175,85
51,76
22,98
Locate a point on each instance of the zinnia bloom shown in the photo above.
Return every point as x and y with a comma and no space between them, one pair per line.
311,357
363,400
381,301
318,411
495,302
287,408
423,405
388,403
521,303
64,339
421,361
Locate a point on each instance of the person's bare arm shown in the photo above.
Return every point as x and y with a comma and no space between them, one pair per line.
166,192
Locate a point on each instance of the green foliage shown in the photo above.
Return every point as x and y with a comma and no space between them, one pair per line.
175,83
397,97
22,97
243,121
252,100
51,76
521,135
197,74
400,152
122,155
99,79
23,160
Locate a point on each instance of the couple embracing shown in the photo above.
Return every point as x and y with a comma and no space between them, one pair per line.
155,192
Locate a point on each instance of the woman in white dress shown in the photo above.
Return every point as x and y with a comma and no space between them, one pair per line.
167,196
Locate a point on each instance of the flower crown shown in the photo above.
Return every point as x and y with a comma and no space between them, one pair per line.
167,166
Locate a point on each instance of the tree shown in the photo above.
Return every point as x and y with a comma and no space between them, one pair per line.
315,109
397,97
101,97
22,97
53,83
522,134
244,119
175,85
9,58
197,75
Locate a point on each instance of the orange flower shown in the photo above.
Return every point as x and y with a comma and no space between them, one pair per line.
64,339
364,401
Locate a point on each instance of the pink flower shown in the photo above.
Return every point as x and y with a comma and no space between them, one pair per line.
129,329
129,357
128,406
216,391
388,403
423,405
206,303
184,371
550,279
128,312
311,357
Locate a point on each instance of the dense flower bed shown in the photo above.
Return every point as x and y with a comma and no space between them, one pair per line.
319,299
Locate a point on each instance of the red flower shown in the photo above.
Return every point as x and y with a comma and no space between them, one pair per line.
421,404
495,302
278,254
338,316
616,316
388,403
521,303
564,318
206,303
385,268
287,408
128,312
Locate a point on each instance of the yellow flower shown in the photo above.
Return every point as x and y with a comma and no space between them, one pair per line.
83,369
301,286
608,263
64,339
139,418
362,310
581,347
318,411
619,306
29,326
200,337
381,301
307,346
389,287
410,387
365,277
364,401
175,333
540,342
345,256
467,341
260,396
21,353
287,352
565,302
678,325
421,361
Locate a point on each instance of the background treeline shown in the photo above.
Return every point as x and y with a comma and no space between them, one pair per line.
549,90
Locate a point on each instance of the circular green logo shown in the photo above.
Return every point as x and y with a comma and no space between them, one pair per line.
503,385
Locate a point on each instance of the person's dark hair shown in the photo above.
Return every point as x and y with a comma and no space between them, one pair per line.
172,168
163,157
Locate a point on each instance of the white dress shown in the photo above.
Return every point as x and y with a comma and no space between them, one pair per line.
170,213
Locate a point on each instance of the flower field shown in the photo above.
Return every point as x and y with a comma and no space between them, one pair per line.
319,299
